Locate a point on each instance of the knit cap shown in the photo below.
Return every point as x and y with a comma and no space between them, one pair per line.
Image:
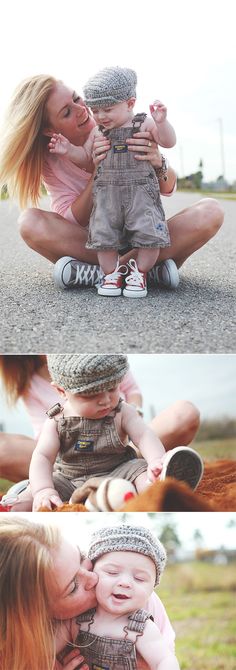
87,373
110,86
128,538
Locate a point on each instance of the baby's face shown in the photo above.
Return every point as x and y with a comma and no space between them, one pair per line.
125,581
115,116
94,406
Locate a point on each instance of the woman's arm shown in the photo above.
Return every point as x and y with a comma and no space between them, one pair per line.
154,651
41,467
131,390
82,206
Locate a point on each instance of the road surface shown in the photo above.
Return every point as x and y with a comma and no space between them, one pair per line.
199,317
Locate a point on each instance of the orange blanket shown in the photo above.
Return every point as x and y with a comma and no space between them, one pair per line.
215,493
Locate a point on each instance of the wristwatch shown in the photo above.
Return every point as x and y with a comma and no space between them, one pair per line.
161,171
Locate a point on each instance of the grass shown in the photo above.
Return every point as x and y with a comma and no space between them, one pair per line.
200,601
4,485
225,195
212,450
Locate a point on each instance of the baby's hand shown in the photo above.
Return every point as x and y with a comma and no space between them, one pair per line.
158,111
154,469
47,497
59,144
101,146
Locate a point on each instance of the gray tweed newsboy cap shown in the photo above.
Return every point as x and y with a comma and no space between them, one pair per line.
128,538
110,86
87,373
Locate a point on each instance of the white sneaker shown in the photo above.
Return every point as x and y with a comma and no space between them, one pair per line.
136,282
11,497
112,283
69,272
183,463
166,274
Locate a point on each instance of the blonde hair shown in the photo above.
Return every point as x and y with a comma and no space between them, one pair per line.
23,143
26,578
16,373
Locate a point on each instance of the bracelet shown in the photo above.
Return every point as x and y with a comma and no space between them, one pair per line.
161,171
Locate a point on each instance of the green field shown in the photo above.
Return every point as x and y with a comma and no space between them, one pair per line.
200,601
212,450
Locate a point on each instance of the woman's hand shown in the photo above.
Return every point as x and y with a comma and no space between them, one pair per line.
147,148
70,661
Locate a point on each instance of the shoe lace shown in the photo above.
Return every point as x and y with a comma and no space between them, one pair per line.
119,270
135,277
87,274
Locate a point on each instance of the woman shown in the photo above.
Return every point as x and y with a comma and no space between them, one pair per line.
44,583
27,377
41,106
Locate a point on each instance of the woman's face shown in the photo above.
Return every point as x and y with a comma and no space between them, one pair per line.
74,589
67,114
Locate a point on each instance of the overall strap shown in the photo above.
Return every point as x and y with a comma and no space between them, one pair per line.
110,418
54,410
137,122
104,131
87,616
136,622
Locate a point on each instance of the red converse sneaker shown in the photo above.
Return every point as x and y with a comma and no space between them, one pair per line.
136,282
112,284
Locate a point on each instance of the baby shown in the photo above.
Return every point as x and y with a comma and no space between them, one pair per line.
129,562
91,432
127,210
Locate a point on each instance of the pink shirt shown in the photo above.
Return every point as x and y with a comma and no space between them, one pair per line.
156,608
64,181
41,395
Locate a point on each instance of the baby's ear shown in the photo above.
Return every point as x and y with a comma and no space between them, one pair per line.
131,102
59,389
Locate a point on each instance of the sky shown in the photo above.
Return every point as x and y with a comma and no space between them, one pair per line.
77,527
183,53
208,380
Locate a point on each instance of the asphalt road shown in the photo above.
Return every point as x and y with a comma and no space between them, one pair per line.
199,317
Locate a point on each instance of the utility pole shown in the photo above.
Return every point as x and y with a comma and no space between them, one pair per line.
181,160
222,147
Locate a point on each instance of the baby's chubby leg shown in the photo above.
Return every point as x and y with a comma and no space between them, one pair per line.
136,281
112,282
142,482
108,260
147,258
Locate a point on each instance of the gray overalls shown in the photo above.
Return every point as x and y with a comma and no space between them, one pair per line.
127,209
107,653
89,448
